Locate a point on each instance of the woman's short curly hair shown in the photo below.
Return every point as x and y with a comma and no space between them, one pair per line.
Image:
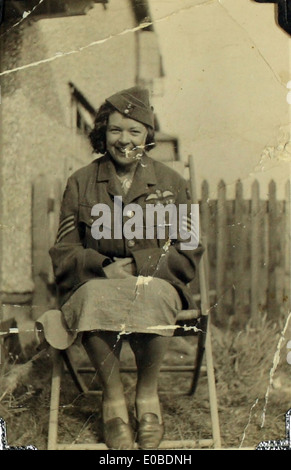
97,136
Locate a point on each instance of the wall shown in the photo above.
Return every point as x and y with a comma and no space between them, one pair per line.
94,52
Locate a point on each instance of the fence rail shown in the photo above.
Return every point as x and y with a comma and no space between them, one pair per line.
248,245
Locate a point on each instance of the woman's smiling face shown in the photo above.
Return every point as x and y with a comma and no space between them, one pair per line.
125,139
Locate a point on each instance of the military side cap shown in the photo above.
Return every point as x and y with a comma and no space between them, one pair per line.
135,104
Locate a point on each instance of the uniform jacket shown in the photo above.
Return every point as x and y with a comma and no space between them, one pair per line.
78,257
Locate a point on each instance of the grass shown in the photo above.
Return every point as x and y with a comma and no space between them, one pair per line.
251,403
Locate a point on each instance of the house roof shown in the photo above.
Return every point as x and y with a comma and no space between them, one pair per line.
49,8
59,8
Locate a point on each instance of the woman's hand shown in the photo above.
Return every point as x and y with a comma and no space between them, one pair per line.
120,268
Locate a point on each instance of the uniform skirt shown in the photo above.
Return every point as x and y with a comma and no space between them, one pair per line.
131,305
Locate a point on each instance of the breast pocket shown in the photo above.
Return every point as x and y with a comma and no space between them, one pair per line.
85,221
96,224
160,223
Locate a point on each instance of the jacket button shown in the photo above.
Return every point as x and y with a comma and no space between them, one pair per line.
130,214
130,243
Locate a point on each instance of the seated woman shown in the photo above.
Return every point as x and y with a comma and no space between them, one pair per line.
112,284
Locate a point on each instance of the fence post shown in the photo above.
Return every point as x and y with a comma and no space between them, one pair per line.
205,208
55,198
45,210
239,252
272,248
255,249
39,243
221,248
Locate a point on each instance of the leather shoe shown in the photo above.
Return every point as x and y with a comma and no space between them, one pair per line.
150,431
118,435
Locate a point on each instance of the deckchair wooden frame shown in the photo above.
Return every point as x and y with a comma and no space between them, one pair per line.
204,350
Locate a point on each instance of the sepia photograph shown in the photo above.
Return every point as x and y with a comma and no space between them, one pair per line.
145,203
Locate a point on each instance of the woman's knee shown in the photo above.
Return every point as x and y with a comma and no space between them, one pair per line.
102,342
96,335
148,348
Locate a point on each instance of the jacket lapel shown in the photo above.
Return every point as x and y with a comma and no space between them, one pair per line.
144,177
106,172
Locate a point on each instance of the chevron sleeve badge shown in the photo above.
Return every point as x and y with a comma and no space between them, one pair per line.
66,226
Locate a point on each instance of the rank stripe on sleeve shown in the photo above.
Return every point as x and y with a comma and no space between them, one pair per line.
69,227
69,218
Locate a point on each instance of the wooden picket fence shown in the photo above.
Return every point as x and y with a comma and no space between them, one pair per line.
248,248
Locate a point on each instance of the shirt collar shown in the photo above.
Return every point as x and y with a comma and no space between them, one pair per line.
144,177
